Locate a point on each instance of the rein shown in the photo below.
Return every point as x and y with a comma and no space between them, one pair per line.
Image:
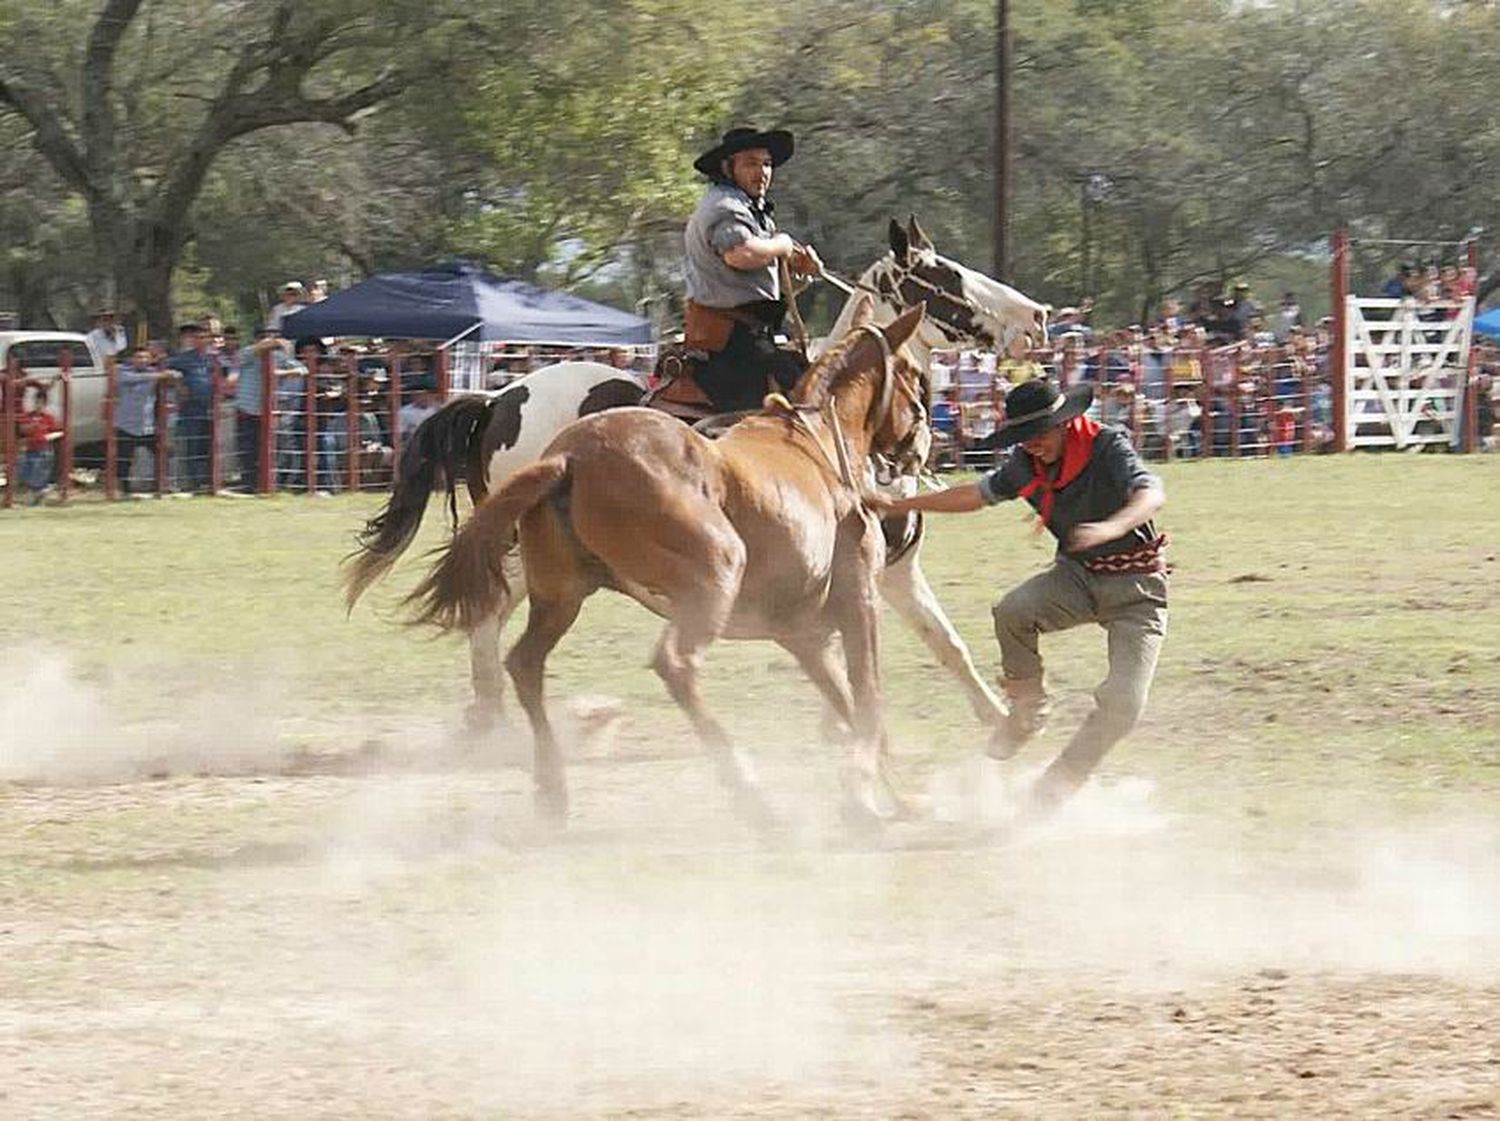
840,460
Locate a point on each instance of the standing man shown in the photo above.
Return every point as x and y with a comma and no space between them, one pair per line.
135,413
106,336
1091,490
197,368
249,400
735,304
293,297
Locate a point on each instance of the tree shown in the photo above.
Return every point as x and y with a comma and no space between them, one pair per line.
133,122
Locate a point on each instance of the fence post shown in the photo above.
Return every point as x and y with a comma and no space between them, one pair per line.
351,417
111,438
1206,403
11,384
1338,360
163,436
265,466
1232,399
310,425
1470,405
444,378
1470,399
393,388
65,452
215,427
1168,389
1307,416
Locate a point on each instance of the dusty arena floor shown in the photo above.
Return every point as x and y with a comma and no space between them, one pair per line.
249,869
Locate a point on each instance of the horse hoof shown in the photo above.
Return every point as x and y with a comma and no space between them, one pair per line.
861,820
751,807
481,717
550,804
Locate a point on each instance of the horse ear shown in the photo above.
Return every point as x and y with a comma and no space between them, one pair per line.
916,235
900,243
905,326
864,310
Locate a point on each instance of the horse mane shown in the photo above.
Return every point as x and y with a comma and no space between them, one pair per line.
821,377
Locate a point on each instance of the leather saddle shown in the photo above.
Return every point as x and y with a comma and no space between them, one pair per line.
678,393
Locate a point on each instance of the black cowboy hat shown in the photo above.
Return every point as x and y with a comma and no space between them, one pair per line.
777,141
1037,405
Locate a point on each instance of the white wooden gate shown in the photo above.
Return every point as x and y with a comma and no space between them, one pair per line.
1406,375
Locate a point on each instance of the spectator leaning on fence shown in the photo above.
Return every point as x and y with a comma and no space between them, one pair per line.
249,400
197,368
135,412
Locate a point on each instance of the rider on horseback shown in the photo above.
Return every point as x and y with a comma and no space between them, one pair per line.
735,301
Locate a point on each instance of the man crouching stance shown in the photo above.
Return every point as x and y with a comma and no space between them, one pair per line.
1092,491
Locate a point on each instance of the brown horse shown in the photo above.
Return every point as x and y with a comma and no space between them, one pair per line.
758,534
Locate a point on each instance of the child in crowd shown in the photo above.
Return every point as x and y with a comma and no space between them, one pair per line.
37,429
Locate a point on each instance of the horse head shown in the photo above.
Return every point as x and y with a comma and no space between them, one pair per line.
964,308
880,395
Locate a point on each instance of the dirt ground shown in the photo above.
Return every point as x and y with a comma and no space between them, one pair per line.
246,871
353,936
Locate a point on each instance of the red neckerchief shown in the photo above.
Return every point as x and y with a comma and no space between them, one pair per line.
1078,445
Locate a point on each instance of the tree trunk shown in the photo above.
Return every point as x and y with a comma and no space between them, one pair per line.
147,288
140,255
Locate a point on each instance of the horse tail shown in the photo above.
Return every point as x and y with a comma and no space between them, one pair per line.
443,446
467,584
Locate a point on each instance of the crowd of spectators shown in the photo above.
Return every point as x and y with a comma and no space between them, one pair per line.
1223,375
332,399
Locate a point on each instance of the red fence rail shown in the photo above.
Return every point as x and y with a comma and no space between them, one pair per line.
336,423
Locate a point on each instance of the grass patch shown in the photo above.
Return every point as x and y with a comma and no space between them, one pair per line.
1333,637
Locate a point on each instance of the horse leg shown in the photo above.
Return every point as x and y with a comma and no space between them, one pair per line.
485,667
678,658
548,621
815,656
904,586
870,795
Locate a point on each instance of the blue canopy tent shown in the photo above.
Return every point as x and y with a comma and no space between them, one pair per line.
462,301
1488,324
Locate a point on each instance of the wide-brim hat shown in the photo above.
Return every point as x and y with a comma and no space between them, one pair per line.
777,141
1035,406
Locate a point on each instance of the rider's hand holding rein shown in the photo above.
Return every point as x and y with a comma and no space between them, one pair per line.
804,261
758,252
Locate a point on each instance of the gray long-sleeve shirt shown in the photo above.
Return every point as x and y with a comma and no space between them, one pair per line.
727,217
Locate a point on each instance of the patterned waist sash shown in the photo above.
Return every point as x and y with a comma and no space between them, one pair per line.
1151,557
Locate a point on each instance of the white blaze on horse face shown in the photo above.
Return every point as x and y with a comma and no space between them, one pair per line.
1009,315
1001,316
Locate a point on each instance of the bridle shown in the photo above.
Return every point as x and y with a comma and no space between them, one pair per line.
901,276
885,402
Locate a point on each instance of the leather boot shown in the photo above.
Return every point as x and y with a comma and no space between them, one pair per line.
1029,705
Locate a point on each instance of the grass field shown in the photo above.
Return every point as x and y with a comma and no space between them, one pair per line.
1280,899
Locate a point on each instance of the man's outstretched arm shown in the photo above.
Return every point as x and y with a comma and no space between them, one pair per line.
954,500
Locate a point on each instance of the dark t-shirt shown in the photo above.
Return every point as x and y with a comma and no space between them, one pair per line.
1114,472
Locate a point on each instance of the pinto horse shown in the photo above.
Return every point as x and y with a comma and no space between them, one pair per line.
485,441
760,533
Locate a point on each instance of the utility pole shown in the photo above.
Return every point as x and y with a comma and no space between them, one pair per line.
1002,139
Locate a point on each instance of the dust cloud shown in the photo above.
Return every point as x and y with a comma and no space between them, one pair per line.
57,726
427,926
1117,885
